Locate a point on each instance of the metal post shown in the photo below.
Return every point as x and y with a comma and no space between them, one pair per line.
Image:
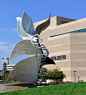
75,75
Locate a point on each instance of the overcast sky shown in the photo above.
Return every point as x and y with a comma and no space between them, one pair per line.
37,10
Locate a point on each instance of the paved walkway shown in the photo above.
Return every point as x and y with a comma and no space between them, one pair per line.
14,86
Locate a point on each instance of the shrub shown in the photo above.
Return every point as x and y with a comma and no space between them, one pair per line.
54,74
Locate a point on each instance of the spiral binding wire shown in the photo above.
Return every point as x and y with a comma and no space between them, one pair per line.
40,56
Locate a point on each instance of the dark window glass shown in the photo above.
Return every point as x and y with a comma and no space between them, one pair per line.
76,31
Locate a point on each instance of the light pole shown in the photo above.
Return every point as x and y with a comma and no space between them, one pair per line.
75,75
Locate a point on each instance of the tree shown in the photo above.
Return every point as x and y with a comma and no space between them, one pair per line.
4,78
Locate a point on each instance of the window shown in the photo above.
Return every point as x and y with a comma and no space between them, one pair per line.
76,31
4,66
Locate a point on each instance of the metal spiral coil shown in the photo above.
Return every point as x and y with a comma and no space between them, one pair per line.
40,55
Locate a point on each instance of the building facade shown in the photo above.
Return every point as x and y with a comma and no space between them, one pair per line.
5,62
6,65
66,41
10,67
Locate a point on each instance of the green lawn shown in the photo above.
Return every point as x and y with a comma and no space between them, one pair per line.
57,89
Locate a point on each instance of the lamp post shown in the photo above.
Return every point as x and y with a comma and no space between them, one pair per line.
75,75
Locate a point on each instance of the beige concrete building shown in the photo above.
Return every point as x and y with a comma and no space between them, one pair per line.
66,41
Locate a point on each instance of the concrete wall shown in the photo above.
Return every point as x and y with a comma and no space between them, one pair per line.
60,45
78,55
73,45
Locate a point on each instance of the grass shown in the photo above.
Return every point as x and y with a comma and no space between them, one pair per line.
2,82
57,89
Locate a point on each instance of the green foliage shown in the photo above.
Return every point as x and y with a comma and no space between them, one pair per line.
54,74
4,78
2,82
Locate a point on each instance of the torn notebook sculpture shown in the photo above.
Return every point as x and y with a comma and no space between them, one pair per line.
28,70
